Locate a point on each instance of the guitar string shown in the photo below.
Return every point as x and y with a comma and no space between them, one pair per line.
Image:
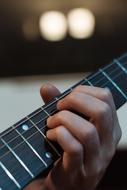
48,105
40,128
52,113
55,102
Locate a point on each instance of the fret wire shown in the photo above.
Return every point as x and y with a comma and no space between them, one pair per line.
10,175
17,157
25,140
45,112
44,126
56,99
20,123
46,118
118,88
37,131
23,132
112,79
88,82
45,107
121,66
109,73
22,142
106,67
45,138
65,94
95,74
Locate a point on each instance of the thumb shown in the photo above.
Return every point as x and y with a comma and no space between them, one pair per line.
48,92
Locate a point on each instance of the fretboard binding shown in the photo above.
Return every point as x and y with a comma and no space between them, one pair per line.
114,84
45,138
10,175
33,150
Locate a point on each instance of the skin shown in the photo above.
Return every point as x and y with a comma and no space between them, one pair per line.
88,145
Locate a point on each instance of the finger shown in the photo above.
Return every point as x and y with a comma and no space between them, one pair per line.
48,92
73,150
106,96
98,111
37,184
85,104
103,94
84,131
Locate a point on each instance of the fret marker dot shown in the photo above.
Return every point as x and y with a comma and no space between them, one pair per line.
25,127
48,155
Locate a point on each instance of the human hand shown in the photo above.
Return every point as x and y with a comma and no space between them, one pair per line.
88,145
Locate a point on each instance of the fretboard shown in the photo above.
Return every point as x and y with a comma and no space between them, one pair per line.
25,152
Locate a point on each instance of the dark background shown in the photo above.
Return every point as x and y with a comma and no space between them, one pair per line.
20,56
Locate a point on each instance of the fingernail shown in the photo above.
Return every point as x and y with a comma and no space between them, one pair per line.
48,134
59,105
49,119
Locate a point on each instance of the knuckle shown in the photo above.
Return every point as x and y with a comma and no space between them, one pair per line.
59,131
103,111
76,149
90,132
106,94
78,88
72,97
62,114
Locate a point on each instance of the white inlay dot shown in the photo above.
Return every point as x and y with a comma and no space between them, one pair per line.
48,155
25,127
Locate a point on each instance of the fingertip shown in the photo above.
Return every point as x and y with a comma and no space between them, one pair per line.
48,134
48,92
59,105
45,88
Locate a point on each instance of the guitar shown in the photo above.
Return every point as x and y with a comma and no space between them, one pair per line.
25,152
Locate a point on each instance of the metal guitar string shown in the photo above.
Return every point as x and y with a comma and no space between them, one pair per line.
47,117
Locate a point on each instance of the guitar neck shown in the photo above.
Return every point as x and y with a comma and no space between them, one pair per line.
25,152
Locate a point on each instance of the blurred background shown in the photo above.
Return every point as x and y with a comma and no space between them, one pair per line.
59,42
35,40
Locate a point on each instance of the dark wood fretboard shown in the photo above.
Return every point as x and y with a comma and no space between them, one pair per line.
25,152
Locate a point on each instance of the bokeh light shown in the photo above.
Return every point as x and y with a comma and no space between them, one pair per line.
53,25
81,23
